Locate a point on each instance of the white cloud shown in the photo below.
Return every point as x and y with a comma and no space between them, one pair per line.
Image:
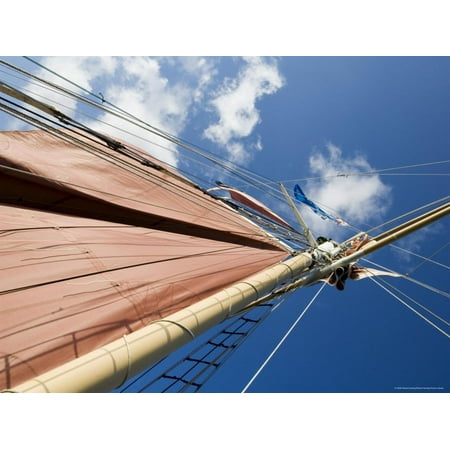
357,199
136,85
142,90
80,70
235,104
202,70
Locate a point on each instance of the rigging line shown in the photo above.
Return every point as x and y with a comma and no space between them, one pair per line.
370,172
96,96
105,142
414,301
129,133
60,89
47,87
177,141
67,93
99,97
165,135
97,152
410,307
416,174
412,280
132,166
228,323
83,146
283,339
427,286
428,259
152,129
443,199
74,110
228,166
109,157
425,259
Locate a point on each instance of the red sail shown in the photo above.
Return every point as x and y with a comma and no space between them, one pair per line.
94,245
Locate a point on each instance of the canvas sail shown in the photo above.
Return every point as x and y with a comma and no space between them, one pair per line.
96,244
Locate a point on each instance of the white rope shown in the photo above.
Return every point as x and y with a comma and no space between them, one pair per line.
283,339
417,303
413,211
412,280
372,172
429,259
410,307
424,258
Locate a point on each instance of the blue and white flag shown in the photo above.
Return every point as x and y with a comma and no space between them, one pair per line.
301,197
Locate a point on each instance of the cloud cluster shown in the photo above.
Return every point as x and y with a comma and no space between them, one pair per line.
167,92
136,85
235,104
357,199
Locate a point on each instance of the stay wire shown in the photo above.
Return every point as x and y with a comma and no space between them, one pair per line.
413,301
87,130
164,184
428,205
411,280
424,259
163,134
266,185
283,339
240,172
259,182
410,307
146,173
428,259
372,172
177,141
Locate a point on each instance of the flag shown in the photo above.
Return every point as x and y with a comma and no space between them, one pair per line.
301,197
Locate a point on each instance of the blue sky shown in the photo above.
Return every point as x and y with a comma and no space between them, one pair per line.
291,119
304,120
